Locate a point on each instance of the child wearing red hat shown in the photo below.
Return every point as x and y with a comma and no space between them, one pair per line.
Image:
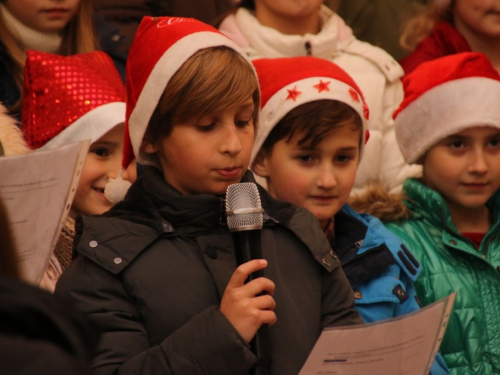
309,145
449,122
69,99
286,28
158,271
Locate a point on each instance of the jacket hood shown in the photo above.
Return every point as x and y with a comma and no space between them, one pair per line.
377,201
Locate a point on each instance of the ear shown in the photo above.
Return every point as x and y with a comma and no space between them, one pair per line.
259,165
149,148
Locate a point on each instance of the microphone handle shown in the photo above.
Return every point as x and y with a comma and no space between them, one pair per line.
247,246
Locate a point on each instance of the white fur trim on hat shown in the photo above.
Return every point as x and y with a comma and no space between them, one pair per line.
92,125
278,105
164,69
444,111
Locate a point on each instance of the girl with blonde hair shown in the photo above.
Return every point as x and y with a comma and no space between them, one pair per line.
447,27
62,27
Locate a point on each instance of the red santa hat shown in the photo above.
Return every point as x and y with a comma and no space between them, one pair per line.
70,98
289,82
161,46
443,97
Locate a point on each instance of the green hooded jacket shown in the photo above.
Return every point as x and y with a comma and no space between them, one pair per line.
451,263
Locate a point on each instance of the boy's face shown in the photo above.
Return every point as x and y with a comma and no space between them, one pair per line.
465,168
319,179
205,155
103,161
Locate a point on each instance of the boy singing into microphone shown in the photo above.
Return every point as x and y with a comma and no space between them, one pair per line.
158,272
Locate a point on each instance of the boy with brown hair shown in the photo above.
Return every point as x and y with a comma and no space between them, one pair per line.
308,148
158,271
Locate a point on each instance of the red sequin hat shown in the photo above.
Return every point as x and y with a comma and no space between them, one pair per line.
70,98
443,97
307,79
161,46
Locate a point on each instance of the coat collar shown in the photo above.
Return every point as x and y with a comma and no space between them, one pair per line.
153,209
268,42
365,247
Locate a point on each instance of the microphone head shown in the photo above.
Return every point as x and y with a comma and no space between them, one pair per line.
243,207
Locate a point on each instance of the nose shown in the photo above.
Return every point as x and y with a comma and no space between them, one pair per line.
478,162
326,177
114,166
230,139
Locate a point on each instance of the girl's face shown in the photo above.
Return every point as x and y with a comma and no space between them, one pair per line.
205,155
43,15
102,163
480,18
465,168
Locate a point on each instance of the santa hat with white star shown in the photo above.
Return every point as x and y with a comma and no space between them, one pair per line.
443,97
289,82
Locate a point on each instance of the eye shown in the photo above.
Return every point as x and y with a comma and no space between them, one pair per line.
494,142
100,151
242,123
305,158
456,144
343,158
206,128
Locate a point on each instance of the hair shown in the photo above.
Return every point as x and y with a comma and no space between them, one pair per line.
77,37
9,265
12,141
314,120
420,26
202,85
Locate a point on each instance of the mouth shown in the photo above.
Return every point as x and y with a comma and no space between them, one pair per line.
323,198
99,190
476,185
56,12
229,173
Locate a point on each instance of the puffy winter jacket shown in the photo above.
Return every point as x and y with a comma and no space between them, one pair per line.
152,272
451,263
379,267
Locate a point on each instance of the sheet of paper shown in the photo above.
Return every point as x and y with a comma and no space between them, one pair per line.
37,190
404,345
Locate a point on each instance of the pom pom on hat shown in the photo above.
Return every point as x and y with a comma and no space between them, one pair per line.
443,97
161,46
307,79
70,98
116,189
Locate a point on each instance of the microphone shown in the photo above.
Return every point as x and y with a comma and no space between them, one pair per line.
245,219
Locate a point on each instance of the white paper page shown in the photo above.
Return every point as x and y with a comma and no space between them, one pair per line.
37,190
404,345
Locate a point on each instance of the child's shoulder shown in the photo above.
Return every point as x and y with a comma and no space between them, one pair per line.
366,54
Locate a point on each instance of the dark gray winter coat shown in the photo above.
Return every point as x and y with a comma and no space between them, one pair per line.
152,271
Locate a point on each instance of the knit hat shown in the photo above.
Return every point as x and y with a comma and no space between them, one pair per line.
70,98
443,97
289,82
161,46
